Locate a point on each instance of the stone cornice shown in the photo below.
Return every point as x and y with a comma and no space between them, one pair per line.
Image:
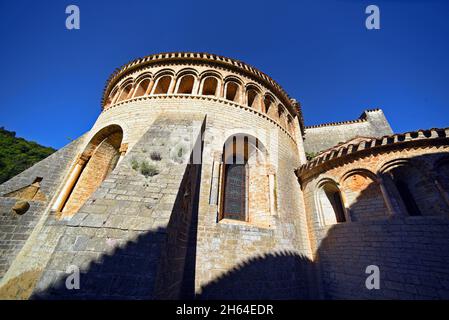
201,97
371,145
187,57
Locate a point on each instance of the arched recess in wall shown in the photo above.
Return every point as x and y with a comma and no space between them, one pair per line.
410,188
210,86
163,84
268,102
142,87
186,84
363,195
329,203
125,91
98,159
111,98
232,91
282,115
253,99
245,185
271,108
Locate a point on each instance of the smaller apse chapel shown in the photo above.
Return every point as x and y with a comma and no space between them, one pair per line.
200,180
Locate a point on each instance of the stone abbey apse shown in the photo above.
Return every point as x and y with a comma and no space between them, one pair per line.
199,180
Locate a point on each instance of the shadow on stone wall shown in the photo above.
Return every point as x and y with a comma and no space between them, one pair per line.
412,254
155,265
127,273
278,275
160,264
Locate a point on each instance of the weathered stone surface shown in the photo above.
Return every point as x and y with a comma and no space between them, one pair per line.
17,228
372,123
21,207
142,222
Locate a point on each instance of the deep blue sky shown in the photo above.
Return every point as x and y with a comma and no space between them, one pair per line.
320,51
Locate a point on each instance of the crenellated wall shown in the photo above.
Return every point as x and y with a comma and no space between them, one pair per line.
378,183
372,123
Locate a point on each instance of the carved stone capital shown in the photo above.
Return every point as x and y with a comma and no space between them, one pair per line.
123,148
82,159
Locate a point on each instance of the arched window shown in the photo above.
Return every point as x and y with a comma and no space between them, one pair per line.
210,85
235,158
125,92
245,193
330,204
253,99
163,84
186,84
142,88
232,91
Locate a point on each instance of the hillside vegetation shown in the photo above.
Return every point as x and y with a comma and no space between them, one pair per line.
18,154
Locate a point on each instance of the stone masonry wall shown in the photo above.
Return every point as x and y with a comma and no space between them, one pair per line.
125,239
229,248
94,173
319,138
121,214
411,253
221,246
15,229
422,159
364,198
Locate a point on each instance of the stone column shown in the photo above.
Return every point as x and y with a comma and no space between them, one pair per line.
243,96
443,192
272,187
171,88
196,86
200,86
220,89
386,196
345,205
261,104
69,184
122,150
263,107
215,179
131,92
150,86
115,97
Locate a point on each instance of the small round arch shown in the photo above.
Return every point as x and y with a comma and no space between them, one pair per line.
360,171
